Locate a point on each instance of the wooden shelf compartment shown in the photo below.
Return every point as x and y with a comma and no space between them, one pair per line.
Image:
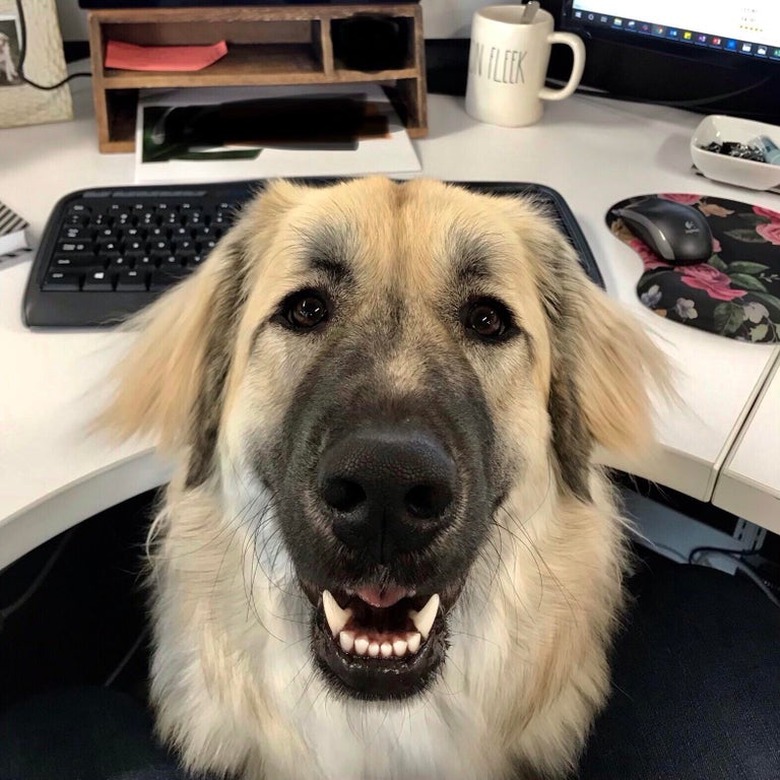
288,45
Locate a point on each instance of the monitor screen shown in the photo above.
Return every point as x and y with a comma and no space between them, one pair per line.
745,30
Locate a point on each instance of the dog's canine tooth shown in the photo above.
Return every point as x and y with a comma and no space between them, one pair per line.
399,647
413,643
373,649
347,641
386,649
423,620
336,616
361,645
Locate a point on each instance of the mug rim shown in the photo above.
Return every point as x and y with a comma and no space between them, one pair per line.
485,13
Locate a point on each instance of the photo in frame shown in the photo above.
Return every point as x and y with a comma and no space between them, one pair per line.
31,48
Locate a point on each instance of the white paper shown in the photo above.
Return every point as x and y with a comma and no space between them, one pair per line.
394,154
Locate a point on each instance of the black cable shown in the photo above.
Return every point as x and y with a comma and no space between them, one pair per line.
126,659
735,556
23,54
728,550
7,611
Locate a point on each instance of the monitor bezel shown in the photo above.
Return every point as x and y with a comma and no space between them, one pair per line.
678,49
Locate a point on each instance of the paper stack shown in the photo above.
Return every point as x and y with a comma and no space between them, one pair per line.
183,136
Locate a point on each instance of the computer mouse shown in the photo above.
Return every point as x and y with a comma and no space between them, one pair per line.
676,232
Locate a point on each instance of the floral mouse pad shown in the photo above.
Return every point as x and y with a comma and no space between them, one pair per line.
736,293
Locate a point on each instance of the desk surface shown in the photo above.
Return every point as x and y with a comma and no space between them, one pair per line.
594,152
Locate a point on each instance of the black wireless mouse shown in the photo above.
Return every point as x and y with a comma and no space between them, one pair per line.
676,232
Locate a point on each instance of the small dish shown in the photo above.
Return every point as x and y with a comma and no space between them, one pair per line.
734,170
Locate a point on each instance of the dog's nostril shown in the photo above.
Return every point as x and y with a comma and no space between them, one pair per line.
427,501
343,495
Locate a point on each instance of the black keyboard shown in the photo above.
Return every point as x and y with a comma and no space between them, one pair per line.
107,253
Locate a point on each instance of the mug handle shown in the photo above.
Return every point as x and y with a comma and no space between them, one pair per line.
578,49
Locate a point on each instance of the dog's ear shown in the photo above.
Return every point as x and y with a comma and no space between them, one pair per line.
171,382
603,364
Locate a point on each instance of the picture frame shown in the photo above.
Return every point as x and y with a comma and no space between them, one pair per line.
21,103
10,47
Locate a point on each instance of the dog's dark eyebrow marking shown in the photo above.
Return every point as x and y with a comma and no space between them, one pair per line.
337,270
471,257
327,247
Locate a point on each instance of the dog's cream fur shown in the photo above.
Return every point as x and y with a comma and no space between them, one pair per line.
234,683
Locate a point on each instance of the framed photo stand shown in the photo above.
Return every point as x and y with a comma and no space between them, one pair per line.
31,51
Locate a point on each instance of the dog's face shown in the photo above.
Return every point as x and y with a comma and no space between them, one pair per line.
388,362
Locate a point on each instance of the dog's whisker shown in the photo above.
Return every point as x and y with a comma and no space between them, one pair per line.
568,596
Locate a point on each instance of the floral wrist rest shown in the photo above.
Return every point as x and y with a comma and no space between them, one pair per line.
736,293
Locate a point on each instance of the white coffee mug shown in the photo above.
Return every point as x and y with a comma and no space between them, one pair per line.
508,65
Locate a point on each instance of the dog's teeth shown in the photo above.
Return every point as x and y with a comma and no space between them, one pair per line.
423,620
347,641
413,643
373,649
361,645
336,616
386,649
399,647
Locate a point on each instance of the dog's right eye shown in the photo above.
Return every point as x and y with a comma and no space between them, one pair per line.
303,310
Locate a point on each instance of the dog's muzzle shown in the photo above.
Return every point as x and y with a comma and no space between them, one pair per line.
388,492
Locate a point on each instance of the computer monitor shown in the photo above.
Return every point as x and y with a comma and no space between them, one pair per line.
715,31
708,56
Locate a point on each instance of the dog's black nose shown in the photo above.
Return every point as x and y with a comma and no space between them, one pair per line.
391,489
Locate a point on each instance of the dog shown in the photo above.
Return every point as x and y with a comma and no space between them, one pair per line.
387,552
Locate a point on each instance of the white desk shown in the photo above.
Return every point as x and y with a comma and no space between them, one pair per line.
592,151
749,482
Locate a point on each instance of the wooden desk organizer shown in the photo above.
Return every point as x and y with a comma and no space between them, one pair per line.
266,45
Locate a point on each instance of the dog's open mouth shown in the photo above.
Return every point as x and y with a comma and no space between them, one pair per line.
379,643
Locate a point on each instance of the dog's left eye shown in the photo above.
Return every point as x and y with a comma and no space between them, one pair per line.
488,320
303,310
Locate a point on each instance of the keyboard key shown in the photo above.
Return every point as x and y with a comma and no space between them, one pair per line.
143,260
61,281
98,281
75,260
73,247
119,264
78,232
131,281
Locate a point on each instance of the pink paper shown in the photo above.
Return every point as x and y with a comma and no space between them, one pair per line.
128,56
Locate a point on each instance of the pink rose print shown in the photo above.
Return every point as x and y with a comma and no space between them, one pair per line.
650,259
679,197
714,282
768,213
714,210
770,231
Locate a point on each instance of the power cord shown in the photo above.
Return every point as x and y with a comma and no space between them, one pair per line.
700,554
6,612
23,54
126,659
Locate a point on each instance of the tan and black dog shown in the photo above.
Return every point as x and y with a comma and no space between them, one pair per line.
387,553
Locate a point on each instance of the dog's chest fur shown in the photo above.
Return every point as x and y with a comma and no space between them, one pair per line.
273,715
430,738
